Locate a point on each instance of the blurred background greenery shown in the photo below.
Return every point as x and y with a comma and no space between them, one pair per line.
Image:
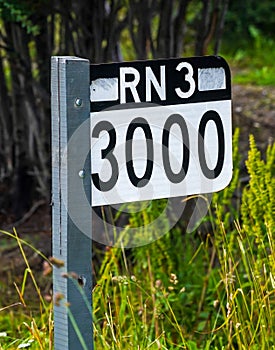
102,31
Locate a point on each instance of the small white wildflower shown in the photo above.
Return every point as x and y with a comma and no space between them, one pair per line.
158,283
216,303
133,278
120,279
173,278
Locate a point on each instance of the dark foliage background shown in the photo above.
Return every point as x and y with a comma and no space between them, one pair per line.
100,30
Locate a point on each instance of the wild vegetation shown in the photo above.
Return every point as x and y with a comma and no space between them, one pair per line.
217,291
213,288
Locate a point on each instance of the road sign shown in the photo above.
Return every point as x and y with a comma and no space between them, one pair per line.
154,129
159,129
72,283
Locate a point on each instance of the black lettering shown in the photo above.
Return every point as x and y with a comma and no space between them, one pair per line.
175,119
143,124
215,172
106,153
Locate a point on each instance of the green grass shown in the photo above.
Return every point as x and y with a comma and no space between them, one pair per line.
214,289
252,61
21,324
210,289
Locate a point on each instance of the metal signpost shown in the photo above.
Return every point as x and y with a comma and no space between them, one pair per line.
125,132
72,282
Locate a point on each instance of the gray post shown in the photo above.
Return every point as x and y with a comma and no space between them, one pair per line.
72,290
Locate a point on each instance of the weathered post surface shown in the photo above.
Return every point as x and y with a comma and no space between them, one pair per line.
73,281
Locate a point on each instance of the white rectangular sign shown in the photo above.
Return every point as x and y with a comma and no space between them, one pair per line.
160,129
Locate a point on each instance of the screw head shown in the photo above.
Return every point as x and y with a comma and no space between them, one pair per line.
82,173
82,281
78,102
